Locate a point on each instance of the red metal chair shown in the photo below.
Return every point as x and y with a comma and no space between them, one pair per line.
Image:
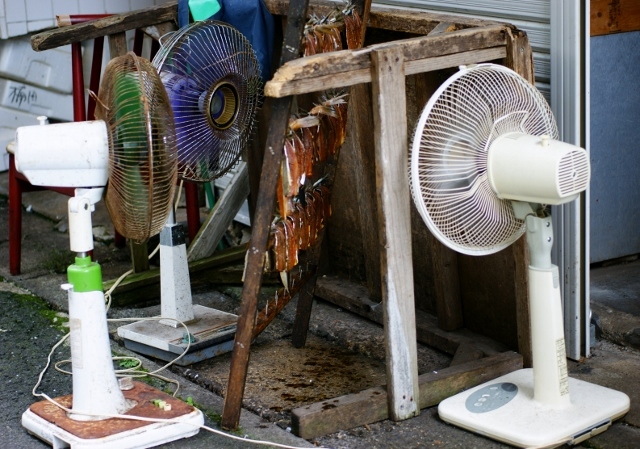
18,184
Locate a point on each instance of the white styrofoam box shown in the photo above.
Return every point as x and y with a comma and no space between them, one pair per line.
10,119
92,7
39,10
117,6
50,68
17,17
65,7
36,25
15,11
36,100
17,28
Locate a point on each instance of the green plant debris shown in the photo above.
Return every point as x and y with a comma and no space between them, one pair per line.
57,261
128,363
58,320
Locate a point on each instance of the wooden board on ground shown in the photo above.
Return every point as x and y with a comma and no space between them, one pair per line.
370,406
145,286
354,297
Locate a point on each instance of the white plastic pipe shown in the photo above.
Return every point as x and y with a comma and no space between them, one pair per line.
95,387
550,376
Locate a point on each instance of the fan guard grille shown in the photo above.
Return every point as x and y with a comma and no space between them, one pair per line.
212,77
142,147
448,157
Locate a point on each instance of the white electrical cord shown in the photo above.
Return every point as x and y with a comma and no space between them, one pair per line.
135,372
138,374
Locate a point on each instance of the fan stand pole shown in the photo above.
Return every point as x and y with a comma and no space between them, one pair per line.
210,331
532,407
551,379
175,286
96,390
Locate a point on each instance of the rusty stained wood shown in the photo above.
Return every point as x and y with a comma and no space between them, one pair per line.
102,27
390,137
369,406
314,257
614,16
424,53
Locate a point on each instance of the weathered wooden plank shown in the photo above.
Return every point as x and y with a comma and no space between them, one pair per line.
222,214
390,136
346,412
520,59
421,47
144,286
447,287
102,27
614,16
466,353
354,297
279,88
414,21
281,110
139,256
360,124
519,56
117,44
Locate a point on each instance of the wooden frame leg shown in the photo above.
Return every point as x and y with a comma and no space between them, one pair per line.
281,110
390,136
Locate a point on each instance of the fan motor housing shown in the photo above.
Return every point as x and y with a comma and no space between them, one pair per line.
74,154
537,169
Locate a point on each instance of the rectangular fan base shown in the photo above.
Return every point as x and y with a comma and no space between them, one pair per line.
52,425
524,422
213,329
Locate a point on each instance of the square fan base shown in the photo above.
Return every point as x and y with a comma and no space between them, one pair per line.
213,329
504,410
51,424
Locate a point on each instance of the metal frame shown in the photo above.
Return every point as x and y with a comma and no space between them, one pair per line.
570,104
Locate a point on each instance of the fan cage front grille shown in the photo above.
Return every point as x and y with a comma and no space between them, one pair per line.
448,157
142,147
192,63
573,173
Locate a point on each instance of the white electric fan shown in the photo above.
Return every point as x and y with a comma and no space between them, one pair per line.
212,78
484,165
132,148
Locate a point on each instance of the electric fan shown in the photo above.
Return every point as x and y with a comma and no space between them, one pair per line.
484,165
132,147
212,78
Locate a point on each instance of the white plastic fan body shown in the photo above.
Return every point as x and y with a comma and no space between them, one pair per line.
77,155
484,162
